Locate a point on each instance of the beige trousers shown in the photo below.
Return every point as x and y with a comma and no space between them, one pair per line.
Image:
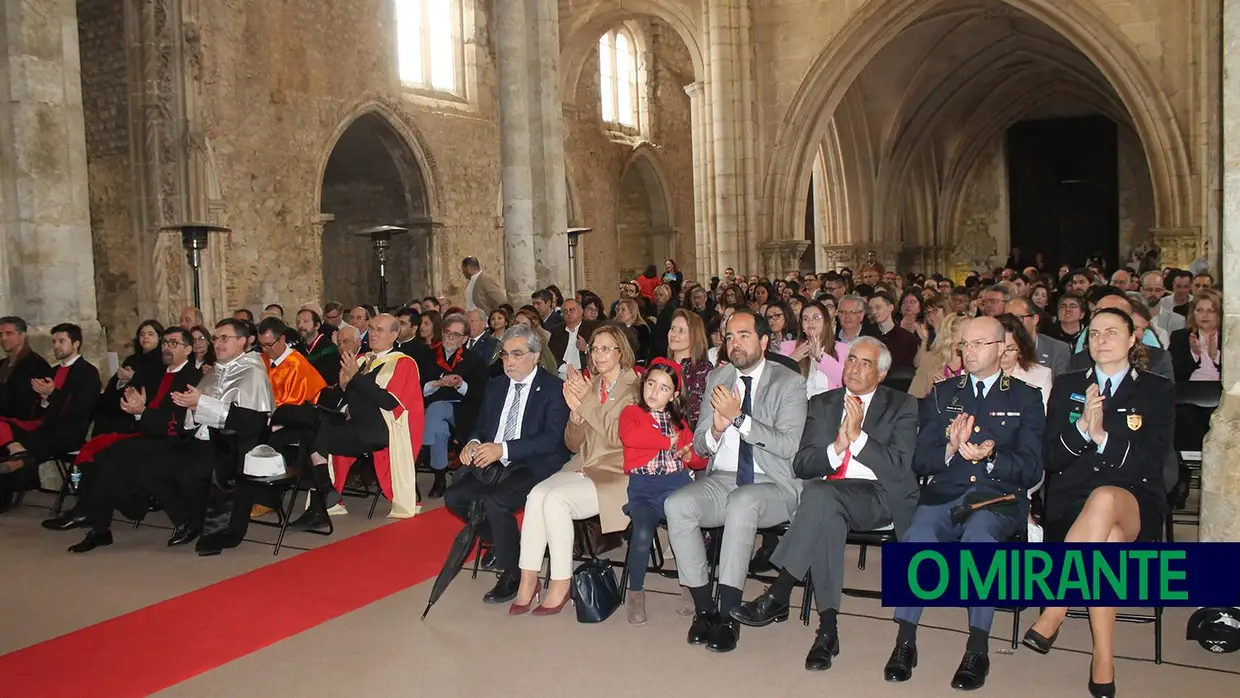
550,510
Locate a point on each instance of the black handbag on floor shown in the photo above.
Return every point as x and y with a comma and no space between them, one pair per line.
596,592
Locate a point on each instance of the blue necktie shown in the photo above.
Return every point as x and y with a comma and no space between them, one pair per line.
744,460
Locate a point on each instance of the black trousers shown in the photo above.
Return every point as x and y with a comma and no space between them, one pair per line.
176,472
500,502
343,440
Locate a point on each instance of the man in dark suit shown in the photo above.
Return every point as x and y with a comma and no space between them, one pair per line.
518,441
18,368
980,438
1049,352
61,417
567,339
856,457
544,303
481,341
453,386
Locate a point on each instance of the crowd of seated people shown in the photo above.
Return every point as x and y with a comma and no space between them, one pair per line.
721,411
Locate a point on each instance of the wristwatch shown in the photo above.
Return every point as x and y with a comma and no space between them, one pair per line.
740,419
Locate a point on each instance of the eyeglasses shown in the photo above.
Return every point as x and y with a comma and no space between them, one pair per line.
852,312
222,337
173,344
519,353
772,316
967,346
456,335
603,349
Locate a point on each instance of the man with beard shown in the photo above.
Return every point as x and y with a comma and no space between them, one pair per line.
452,389
317,346
18,369
156,431
751,421
226,416
60,419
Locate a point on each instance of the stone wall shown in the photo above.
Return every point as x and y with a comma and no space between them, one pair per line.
105,92
1136,198
623,225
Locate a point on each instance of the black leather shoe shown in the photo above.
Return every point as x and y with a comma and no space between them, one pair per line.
971,674
504,591
182,535
94,539
1100,690
760,612
310,521
901,663
724,636
1034,641
64,522
703,623
761,561
820,654
488,563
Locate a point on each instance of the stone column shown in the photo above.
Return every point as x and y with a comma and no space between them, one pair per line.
730,95
782,256
1220,473
535,211
703,247
49,271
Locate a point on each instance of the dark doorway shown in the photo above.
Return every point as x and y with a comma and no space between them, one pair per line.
1064,186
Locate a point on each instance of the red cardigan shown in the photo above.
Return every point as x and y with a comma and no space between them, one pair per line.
642,440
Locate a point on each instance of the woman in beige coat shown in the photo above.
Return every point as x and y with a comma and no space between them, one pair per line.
593,483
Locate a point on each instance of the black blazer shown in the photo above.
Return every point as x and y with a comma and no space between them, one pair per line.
474,372
168,420
365,399
17,398
486,347
541,445
1011,415
891,427
1139,420
1182,360
69,412
558,344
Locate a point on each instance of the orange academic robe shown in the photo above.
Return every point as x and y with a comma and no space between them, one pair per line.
395,465
295,381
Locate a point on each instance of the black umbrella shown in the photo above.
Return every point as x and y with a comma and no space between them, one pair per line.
457,554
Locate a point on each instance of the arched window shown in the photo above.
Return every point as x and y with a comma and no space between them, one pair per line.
429,44
620,80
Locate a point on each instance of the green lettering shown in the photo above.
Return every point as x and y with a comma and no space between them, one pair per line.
1167,575
1014,577
1072,575
1143,558
1035,576
971,576
1102,568
944,576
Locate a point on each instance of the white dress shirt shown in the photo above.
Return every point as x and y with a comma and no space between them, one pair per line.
727,450
856,469
287,352
572,355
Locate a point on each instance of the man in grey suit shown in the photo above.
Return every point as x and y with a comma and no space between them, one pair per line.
750,424
1050,352
481,291
856,456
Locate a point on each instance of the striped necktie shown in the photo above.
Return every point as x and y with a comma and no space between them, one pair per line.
514,414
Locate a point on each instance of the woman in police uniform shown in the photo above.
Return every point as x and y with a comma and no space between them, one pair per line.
1107,432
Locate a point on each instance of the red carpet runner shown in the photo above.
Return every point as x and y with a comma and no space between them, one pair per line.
143,652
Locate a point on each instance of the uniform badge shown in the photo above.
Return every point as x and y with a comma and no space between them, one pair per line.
1005,383
1134,422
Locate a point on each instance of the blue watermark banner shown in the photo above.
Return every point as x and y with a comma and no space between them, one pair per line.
1061,574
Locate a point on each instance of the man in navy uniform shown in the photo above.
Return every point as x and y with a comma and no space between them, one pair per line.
980,438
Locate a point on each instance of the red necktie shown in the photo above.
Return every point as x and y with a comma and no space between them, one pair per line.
61,373
164,386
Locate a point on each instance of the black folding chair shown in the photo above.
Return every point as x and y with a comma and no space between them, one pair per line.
807,599
1203,396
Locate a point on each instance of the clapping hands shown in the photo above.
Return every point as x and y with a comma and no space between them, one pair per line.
1091,416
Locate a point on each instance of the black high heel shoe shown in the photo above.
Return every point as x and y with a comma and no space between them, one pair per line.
1034,641
1100,690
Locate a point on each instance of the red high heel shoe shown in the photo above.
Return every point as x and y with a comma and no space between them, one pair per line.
520,609
553,610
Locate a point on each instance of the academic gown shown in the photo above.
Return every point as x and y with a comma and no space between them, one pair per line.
324,356
148,371
157,402
60,425
392,388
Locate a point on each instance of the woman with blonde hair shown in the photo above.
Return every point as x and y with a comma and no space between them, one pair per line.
593,483
943,360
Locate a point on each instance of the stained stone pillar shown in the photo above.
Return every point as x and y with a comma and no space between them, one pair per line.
47,272
782,256
704,247
531,147
1220,473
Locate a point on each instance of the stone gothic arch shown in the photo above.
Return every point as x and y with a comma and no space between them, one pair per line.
879,22
375,172
645,213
